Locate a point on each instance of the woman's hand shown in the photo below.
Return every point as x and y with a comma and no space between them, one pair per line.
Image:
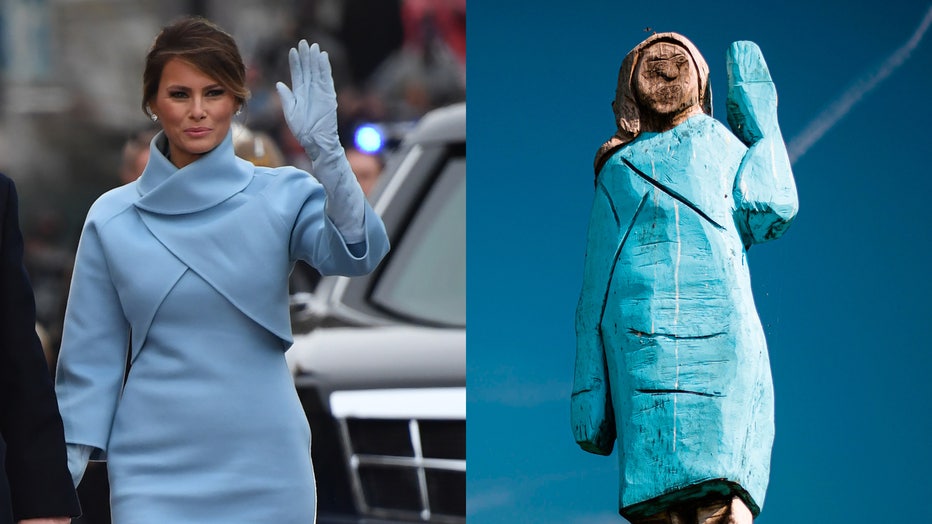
310,106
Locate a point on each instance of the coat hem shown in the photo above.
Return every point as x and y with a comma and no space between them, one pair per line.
690,495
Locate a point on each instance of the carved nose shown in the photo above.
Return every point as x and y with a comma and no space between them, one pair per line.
669,71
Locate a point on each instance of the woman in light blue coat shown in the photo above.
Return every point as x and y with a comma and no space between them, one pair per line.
185,272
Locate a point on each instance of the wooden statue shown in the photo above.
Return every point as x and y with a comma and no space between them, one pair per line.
671,359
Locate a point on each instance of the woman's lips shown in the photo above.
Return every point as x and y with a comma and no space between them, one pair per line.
197,132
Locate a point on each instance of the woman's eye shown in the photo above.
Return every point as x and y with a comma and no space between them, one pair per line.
177,94
215,92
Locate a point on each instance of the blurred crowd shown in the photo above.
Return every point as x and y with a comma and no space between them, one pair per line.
392,60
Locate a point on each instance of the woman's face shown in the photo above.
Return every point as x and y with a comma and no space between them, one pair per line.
666,80
195,111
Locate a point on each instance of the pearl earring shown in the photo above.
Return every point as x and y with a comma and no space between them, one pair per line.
239,110
154,117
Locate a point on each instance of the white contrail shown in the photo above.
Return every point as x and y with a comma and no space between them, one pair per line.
828,118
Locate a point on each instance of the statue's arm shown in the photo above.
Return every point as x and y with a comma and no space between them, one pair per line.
764,191
591,414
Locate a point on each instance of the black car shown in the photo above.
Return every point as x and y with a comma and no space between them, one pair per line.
380,360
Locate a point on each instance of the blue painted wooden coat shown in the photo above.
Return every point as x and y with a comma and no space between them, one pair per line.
188,268
671,356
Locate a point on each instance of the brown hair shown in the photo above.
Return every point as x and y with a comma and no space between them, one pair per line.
202,44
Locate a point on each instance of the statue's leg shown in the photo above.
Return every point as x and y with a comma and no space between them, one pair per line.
732,511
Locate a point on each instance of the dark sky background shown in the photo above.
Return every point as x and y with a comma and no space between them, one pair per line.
843,296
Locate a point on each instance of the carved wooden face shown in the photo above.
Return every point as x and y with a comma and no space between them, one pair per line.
666,81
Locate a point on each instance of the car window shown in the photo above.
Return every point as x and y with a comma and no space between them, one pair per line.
426,277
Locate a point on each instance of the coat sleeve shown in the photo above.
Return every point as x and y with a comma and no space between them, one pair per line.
591,412
765,192
316,240
94,347
30,425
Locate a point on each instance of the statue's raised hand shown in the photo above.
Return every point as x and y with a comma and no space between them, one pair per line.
310,106
752,97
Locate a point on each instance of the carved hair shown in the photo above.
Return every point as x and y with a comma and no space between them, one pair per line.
625,105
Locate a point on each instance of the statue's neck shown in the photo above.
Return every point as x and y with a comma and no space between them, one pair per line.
658,123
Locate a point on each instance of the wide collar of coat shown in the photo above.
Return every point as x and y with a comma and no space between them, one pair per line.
202,184
228,230
695,163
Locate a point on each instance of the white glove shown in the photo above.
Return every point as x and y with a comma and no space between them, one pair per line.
311,113
78,455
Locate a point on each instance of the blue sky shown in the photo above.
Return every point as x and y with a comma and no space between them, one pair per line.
843,296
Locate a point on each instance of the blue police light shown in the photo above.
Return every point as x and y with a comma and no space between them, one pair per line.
368,138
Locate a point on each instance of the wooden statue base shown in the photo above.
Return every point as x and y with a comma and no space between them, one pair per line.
723,511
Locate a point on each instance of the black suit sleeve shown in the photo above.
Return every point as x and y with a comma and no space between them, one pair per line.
36,462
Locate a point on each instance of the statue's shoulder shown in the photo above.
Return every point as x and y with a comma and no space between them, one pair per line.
619,175
711,135
705,123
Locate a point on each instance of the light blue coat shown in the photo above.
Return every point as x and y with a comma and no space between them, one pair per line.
671,357
187,269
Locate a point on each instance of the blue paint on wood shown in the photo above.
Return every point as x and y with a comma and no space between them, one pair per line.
671,358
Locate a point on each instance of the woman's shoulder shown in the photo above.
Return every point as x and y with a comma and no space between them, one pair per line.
282,172
286,179
112,203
